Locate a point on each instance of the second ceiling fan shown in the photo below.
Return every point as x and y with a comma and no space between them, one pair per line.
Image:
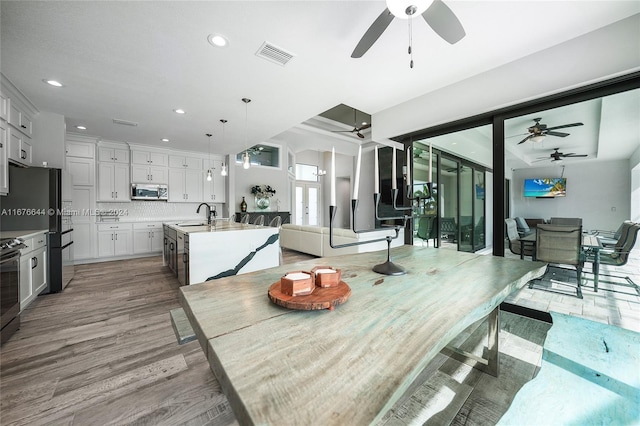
355,129
539,131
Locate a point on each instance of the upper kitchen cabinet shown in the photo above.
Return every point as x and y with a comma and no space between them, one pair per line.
80,158
148,166
113,155
113,182
4,106
185,161
4,163
149,158
18,112
113,172
214,190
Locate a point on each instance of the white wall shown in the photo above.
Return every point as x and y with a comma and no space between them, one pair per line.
596,56
596,192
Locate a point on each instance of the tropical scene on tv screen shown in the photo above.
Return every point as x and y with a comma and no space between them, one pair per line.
548,187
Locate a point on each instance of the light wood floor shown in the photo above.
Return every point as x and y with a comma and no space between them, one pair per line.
103,352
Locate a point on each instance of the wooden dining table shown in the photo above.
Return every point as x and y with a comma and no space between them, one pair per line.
280,366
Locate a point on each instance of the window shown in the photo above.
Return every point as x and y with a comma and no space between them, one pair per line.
261,155
306,172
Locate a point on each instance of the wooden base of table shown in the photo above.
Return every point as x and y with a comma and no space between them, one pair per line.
321,298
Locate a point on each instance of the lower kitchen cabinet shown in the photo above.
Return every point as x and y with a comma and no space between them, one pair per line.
114,239
33,269
147,237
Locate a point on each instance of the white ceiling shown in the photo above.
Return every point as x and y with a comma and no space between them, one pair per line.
138,61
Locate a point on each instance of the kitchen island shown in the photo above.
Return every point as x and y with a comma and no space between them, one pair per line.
207,252
347,366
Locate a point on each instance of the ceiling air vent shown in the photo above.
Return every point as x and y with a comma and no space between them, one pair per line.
274,54
125,122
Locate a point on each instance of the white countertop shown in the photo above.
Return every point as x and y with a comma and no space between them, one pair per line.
25,233
221,225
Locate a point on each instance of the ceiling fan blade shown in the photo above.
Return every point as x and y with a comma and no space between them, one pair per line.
366,126
373,33
444,22
565,125
525,139
575,155
360,135
343,131
559,134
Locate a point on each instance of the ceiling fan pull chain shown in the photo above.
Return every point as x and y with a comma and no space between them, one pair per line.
410,42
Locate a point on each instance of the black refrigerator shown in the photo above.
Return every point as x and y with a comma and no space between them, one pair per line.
40,198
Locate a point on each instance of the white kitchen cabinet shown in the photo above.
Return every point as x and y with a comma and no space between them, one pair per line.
113,155
20,119
113,182
83,240
20,150
148,174
149,158
148,237
82,170
185,185
185,162
214,191
4,160
33,268
114,239
80,149
4,106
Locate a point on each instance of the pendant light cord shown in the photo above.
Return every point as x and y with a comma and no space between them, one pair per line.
410,41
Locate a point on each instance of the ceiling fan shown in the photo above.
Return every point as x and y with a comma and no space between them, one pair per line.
355,129
437,14
556,155
539,131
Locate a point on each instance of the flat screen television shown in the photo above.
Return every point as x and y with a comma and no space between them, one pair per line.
545,187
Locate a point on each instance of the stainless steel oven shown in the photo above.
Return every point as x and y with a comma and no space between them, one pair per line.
10,286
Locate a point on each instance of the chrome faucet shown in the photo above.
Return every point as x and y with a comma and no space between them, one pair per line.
211,213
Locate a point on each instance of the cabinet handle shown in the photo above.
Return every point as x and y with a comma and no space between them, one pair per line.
171,246
23,126
23,154
151,177
116,237
116,194
111,194
111,237
35,262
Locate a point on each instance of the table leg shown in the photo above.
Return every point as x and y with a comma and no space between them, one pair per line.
489,364
596,270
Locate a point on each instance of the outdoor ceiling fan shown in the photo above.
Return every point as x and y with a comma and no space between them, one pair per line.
539,131
437,14
355,129
556,155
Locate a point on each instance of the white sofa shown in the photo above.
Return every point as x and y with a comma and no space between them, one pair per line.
314,240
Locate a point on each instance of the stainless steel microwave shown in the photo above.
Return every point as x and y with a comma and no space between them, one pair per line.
140,191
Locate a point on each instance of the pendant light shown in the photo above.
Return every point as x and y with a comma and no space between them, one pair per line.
223,172
245,158
209,177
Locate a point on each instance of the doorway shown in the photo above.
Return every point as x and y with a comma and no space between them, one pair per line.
307,199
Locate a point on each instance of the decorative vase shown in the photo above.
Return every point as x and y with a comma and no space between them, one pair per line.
262,203
243,206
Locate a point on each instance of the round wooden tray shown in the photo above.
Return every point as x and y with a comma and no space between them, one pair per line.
321,298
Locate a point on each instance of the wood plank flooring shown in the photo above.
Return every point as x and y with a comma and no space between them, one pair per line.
103,352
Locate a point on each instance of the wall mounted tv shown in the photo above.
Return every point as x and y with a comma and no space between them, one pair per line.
545,187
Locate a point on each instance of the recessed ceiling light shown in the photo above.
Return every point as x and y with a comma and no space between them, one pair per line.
164,140
217,40
81,127
53,83
178,111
